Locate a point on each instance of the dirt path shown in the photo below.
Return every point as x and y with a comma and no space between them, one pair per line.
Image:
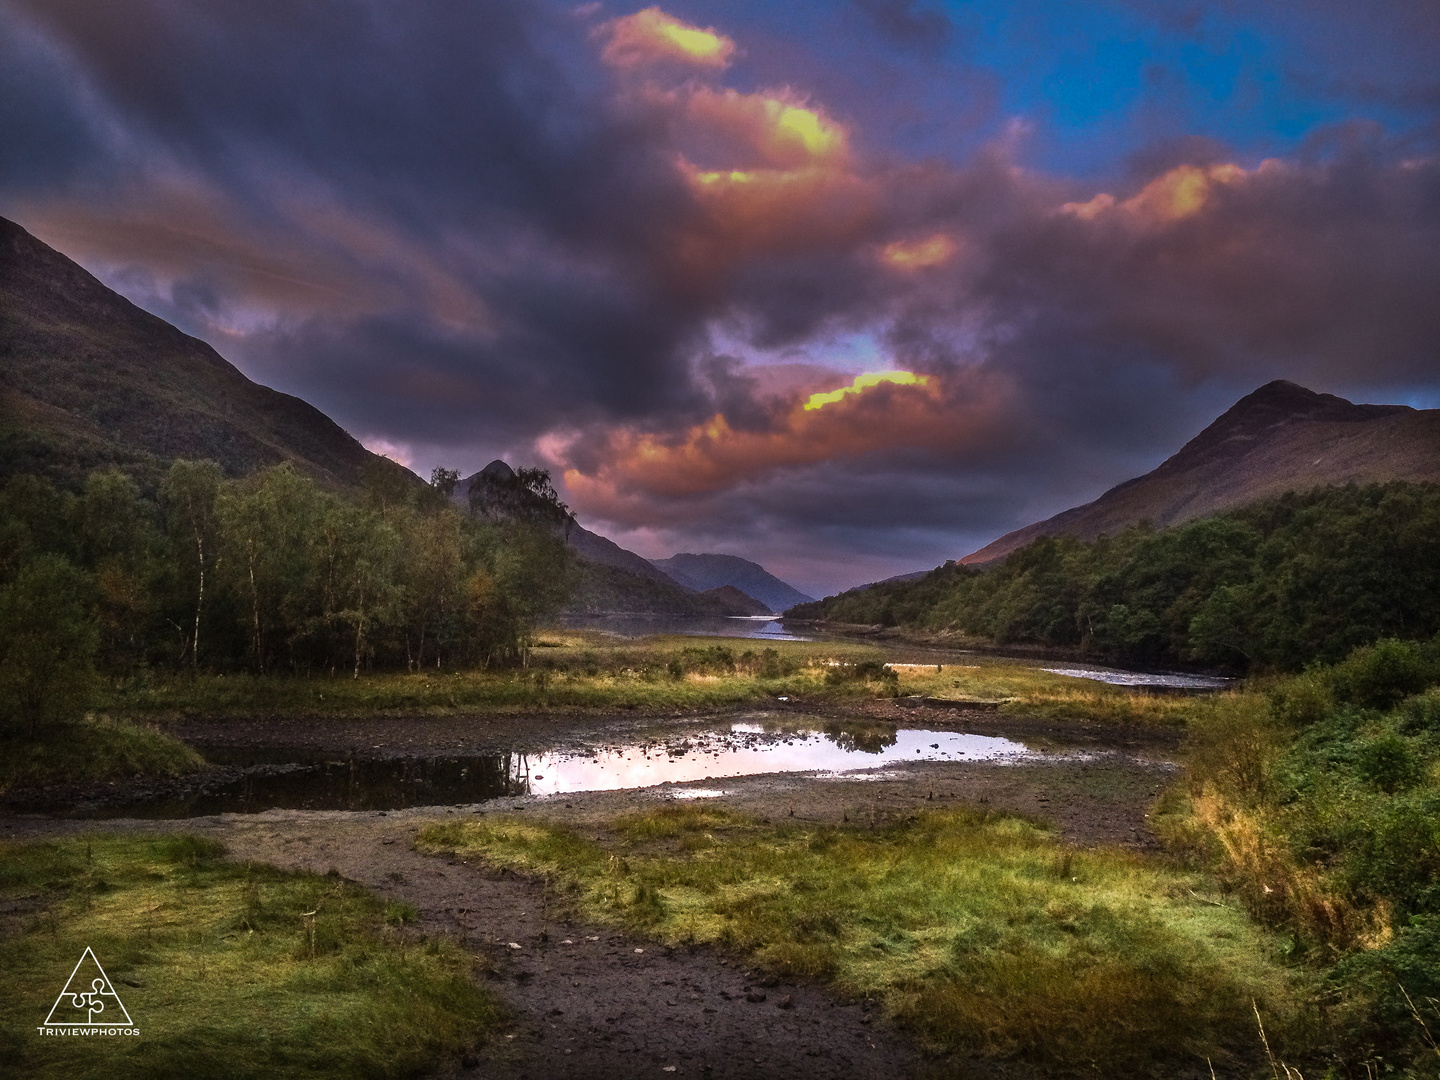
589,1002
585,1000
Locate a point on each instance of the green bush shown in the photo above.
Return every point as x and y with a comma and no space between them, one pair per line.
1382,675
1388,762
864,671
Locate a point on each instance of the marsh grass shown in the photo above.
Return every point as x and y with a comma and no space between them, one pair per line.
574,671
93,750
978,931
580,671
227,969
1314,800
1027,690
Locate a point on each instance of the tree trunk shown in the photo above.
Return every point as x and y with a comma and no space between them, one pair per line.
199,601
255,611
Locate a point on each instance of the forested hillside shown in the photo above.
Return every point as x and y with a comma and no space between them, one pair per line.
266,573
1274,585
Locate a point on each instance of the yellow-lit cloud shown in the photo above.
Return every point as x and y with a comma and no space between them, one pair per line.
933,251
651,35
1180,193
864,382
883,413
775,128
766,212
783,180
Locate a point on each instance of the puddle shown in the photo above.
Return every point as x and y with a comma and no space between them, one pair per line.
747,749
1144,679
761,744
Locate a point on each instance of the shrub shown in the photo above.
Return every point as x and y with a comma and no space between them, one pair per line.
1382,675
864,671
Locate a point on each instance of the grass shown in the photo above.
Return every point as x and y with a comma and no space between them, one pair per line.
580,671
570,671
1027,690
227,969
979,932
93,750
1319,816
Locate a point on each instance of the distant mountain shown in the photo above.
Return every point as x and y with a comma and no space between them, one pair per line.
1281,438
702,572
88,379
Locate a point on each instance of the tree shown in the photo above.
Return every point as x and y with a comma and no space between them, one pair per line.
432,573
47,644
444,480
120,543
34,518
535,571
526,495
189,493
369,591
268,524
389,486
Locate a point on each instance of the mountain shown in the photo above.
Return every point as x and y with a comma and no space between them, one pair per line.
588,545
737,602
1281,438
702,572
88,379
612,579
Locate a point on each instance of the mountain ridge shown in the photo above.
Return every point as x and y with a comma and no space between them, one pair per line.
1280,437
89,379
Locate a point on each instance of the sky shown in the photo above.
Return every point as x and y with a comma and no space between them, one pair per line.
847,288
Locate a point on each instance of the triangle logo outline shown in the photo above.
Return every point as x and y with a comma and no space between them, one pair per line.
89,1000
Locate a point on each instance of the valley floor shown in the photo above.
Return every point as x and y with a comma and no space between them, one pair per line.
600,1007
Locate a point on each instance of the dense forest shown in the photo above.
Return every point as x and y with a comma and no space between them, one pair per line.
1272,586
268,573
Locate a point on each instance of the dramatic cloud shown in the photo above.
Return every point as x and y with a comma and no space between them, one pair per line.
651,35
848,289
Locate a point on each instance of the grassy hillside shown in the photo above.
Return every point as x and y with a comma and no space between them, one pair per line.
87,379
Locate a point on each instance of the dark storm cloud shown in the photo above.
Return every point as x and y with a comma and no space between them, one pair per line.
452,227
40,112
417,125
907,24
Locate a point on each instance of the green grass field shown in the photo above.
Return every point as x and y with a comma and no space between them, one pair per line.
579,671
978,931
227,969
570,671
